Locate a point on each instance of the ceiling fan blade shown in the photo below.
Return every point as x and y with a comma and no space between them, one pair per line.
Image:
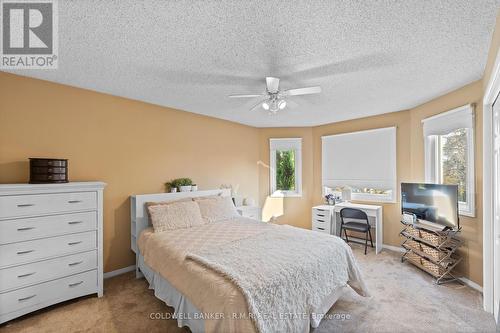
246,95
273,84
303,91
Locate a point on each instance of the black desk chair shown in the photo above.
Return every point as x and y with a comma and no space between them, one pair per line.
363,227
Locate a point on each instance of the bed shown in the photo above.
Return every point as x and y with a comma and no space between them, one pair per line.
240,274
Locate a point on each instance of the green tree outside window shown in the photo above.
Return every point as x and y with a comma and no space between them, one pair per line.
454,161
285,170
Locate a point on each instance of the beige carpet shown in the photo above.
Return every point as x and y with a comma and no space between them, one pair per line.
404,299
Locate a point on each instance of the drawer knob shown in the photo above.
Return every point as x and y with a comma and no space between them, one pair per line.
25,205
26,298
75,284
74,201
25,252
25,275
75,222
74,243
75,263
25,228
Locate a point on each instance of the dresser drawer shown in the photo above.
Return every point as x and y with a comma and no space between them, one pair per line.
321,229
24,252
24,275
34,204
321,214
321,226
18,230
321,219
67,288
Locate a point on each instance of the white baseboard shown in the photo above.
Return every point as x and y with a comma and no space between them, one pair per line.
393,248
120,271
472,284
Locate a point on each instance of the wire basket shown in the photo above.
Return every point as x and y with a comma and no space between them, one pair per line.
428,266
427,236
429,251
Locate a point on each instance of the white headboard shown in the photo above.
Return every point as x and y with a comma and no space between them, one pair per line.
139,219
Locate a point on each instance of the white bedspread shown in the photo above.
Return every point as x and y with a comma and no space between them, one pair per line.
210,291
284,273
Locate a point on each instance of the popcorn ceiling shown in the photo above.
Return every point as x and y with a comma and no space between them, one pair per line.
370,57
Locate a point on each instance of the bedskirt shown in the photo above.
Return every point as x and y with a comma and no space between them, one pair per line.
185,312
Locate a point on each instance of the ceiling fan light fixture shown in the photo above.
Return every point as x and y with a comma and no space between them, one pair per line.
265,105
274,106
282,104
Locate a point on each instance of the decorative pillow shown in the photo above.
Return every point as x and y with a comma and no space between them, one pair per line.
216,209
156,203
177,215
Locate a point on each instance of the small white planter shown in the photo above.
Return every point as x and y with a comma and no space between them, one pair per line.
173,190
194,188
185,188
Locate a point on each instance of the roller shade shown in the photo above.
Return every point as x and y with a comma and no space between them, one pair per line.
447,122
365,159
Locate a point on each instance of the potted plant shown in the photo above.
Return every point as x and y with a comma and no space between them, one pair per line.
183,184
170,187
194,187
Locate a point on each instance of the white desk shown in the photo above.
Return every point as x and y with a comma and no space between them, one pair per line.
375,212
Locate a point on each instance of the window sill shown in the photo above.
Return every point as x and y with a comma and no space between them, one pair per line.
466,213
286,195
465,209
372,198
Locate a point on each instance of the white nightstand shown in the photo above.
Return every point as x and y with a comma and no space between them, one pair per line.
252,212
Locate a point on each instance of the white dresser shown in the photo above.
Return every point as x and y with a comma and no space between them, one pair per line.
322,219
50,245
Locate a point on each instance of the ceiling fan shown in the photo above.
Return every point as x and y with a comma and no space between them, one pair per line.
274,98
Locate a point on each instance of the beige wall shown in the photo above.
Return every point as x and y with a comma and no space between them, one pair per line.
132,146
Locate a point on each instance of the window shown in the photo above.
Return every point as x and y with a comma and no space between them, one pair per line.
449,153
363,161
286,167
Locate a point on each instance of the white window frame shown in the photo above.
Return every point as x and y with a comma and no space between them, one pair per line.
285,144
433,172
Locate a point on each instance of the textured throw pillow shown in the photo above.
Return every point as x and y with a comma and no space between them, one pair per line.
216,209
156,203
177,215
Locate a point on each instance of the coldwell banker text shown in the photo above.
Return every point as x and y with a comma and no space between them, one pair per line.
29,34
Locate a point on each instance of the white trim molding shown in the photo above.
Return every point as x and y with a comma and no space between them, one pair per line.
398,249
120,271
471,284
294,144
492,91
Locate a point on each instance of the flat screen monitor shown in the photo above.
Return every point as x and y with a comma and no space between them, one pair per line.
433,203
